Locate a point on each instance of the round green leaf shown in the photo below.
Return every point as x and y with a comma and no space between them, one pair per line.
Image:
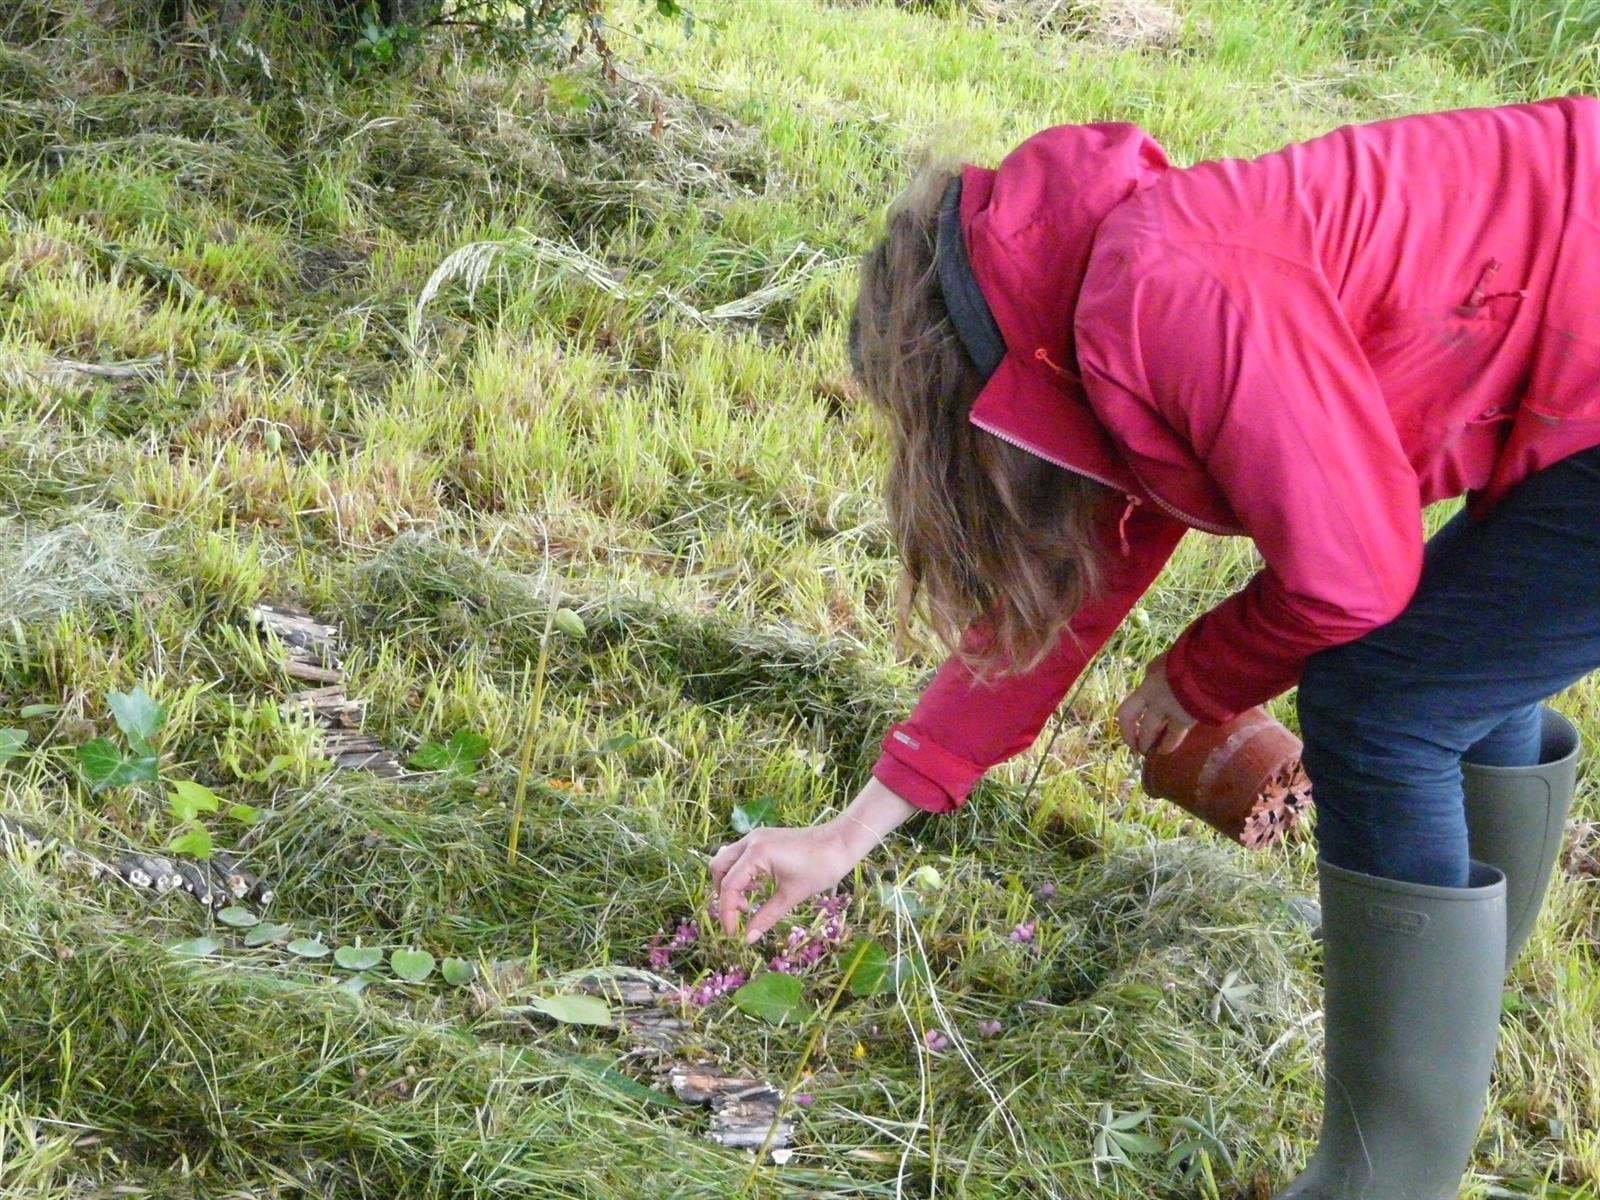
573,1009
200,946
774,997
260,935
358,958
307,948
238,918
411,965
457,972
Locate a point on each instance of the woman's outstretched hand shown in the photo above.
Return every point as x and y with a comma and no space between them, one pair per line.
800,862
1151,720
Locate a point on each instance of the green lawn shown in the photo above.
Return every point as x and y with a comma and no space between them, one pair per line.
437,352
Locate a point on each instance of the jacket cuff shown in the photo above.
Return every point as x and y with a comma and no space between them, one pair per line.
1182,679
923,774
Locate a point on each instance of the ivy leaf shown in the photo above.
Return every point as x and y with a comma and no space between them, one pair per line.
871,975
307,948
763,811
571,1009
773,996
238,918
619,744
411,965
138,768
189,799
246,814
103,765
138,716
11,743
100,762
195,842
358,958
457,972
910,969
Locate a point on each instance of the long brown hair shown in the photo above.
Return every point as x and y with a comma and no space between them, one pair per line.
986,531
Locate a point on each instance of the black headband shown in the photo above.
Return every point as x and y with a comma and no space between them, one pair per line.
969,311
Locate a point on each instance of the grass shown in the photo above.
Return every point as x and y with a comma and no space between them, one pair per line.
222,384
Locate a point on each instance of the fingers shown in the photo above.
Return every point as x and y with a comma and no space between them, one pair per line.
1172,738
731,899
1152,729
725,858
773,910
1129,713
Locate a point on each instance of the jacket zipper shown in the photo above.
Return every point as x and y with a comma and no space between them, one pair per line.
1042,355
1171,510
1193,522
1038,453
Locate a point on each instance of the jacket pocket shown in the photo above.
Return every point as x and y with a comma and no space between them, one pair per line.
1444,368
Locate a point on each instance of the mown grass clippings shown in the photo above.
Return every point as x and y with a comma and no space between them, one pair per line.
225,378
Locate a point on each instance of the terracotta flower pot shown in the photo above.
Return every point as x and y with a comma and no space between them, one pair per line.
1243,778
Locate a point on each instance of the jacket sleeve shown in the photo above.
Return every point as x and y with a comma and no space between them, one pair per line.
1259,372
963,726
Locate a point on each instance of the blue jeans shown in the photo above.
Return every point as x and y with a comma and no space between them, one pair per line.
1506,615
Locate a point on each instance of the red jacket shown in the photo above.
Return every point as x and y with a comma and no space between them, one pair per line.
1304,349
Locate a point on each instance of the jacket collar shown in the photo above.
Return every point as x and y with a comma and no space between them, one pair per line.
1028,229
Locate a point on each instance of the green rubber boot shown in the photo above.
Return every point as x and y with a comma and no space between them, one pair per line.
1517,819
1411,983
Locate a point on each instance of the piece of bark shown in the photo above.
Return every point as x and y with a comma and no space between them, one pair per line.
742,1107
310,646
743,1120
150,871
200,883
213,883
642,1010
339,717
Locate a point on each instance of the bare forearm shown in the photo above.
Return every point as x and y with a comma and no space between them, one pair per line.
873,815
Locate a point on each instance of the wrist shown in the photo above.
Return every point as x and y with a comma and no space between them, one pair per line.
872,816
